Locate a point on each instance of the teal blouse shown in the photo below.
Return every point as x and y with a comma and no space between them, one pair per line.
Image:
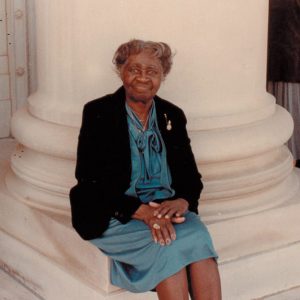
150,175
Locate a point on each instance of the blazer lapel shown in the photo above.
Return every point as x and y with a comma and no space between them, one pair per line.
162,117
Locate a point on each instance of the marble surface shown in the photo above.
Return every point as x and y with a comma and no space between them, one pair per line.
293,294
6,147
10,289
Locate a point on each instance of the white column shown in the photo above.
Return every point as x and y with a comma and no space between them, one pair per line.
237,130
218,78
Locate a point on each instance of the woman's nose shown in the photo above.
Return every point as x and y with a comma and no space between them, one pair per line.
143,76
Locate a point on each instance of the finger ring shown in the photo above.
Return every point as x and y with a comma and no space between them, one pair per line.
156,226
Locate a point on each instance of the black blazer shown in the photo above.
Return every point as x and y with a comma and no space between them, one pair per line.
103,167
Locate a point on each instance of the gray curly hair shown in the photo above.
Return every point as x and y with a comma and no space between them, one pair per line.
160,50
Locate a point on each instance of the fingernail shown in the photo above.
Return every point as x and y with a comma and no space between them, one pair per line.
159,216
168,241
162,243
173,236
155,241
167,217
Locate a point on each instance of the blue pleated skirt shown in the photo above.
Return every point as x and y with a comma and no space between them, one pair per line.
139,265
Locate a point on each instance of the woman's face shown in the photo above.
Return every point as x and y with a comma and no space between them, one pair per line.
141,76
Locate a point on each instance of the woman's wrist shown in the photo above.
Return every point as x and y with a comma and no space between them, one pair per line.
184,201
143,213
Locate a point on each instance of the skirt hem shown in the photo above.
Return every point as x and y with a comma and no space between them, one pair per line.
171,272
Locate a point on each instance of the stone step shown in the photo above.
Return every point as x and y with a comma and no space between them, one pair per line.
263,274
50,280
11,289
258,254
292,294
253,256
251,278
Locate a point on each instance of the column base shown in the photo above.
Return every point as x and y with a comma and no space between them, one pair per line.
246,169
43,252
259,253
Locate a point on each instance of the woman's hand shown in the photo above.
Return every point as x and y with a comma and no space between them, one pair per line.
170,209
162,230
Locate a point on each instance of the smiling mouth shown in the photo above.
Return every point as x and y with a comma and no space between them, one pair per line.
142,87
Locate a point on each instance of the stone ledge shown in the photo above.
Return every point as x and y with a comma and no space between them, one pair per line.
56,263
11,289
47,278
262,274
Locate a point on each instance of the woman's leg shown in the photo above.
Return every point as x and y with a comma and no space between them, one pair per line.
205,279
174,287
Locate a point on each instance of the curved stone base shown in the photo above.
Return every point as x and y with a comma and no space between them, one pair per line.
245,168
41,180
43,164
247,186
55,263
43,252
250,203
243,141
36,197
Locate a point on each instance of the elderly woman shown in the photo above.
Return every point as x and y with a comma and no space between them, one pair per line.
138,184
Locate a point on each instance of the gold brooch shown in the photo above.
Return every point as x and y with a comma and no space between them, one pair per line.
169,123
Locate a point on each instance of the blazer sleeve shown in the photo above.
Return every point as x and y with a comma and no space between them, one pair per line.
99,192
88,218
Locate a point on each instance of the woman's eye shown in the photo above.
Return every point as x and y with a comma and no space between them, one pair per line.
152,72
134,71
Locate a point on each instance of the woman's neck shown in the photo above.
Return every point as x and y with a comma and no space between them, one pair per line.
140,109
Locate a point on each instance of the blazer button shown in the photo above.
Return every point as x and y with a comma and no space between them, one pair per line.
116,213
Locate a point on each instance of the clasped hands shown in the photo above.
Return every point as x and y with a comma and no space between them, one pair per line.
160,218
